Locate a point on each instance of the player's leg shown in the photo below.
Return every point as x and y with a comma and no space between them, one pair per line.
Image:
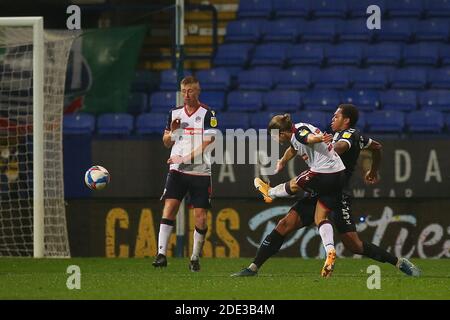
326,234
283,190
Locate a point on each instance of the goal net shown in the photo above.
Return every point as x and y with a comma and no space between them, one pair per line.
32,76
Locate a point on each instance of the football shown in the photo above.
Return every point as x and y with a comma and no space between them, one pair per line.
96,178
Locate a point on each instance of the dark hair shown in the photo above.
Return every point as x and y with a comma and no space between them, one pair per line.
281,123
351,112
189,80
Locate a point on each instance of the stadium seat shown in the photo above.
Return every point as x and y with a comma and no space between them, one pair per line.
405,8
292,79
318,30
354,30
78,123
282,100
438,100
437,8
439,78
318,119
331,78
273,54
281,30
444,54
365,100
421,54
358,8
214,79
329,8
259,79
291,8
169,81
144,81
255,9
371,78
213,99
383,53
163,101
395,30
432,30
386,121
321,100
425,121
151,123
243,31
409,78
362,120
306,53
137,103
261,120
244,101
234,120
399,100
344,54
115,123
233,54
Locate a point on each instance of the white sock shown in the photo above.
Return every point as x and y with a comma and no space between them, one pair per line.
199,240
279,191
326,233
165,230
253,267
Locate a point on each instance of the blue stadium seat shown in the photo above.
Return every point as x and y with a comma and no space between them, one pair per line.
354,30
214,79
261,120
169,80
144,81
444,54
244,101
319,30
281,30
291,8
362,120
439,78
213,99
399,100
383,53
409,78
292,79
259,79
234,120
151,123
438,100
437,8
282,100
233,54
78,123
386,121
395,30
137,103
318,119
255,9
243,31
306,53
321,100
365,100
329,8
432,30
115,123
348,53
163,101
331,78
421,54
425,121
273,54
371,78
405,8
358,8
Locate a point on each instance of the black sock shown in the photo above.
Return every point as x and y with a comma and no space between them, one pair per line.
271,245
376,253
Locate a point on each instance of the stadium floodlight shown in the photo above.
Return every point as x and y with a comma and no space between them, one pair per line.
33,65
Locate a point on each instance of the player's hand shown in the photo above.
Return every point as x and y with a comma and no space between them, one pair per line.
280,166
175,159
175,124
327,138
371,177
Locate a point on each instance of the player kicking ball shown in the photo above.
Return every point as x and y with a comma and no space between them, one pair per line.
347,142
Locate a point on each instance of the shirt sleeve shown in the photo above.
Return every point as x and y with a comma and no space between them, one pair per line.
364,142
210,122
347,137
301,135
169,120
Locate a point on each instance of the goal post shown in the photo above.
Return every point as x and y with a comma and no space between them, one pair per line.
33,64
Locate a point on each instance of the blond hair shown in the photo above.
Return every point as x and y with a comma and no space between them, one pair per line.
281,122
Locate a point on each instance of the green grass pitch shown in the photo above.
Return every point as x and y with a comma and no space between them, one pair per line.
280,279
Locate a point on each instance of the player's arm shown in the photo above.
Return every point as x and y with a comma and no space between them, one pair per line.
340,147
372,175
289,154
171,126
305,136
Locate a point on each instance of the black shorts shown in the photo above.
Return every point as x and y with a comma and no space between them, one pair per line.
342,218
327,186
198,187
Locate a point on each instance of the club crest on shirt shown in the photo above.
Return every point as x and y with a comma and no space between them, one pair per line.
198,119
